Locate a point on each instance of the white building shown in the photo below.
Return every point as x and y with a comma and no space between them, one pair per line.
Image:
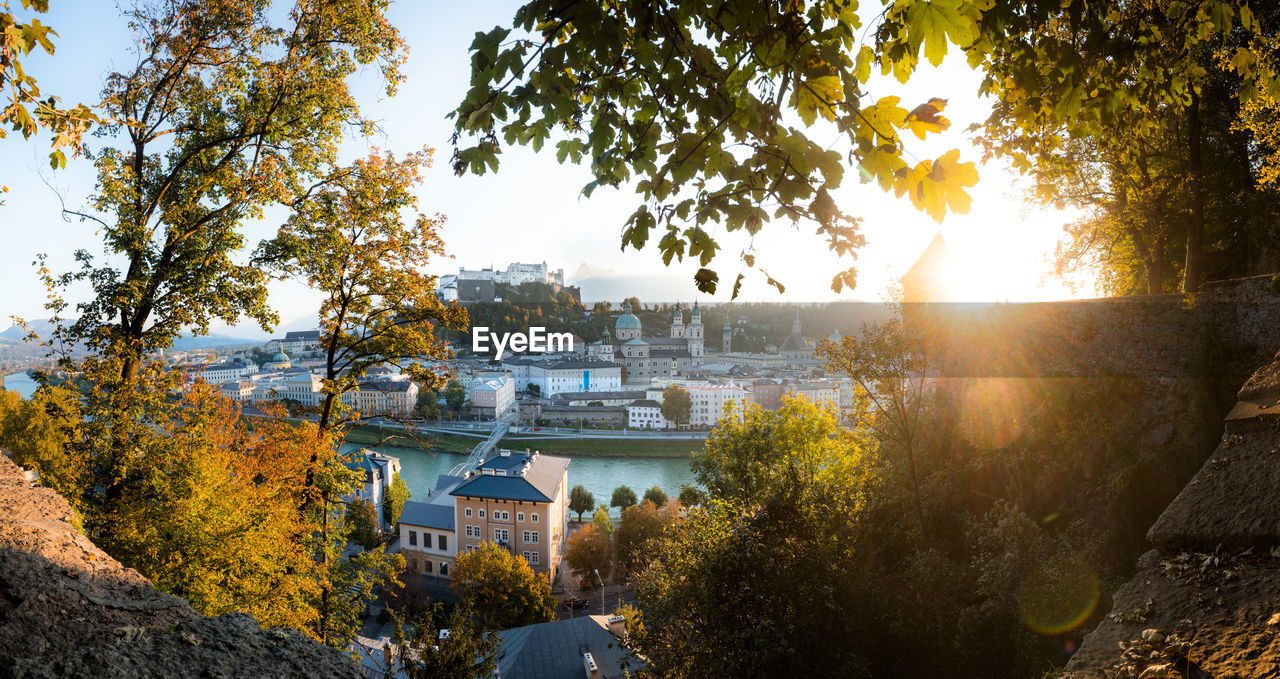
492,394
646,414
516,274
383,397
708,401
305,388
240,392
557,376
379,471
221,373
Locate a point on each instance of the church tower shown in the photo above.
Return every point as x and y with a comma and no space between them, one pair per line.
726,339
677,322
694,334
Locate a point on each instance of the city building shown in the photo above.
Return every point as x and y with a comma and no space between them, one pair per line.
648,357
379,471
795,346
240,392
385,397
492,395
646,414
707,401
604,398
825,393
518,500
221,373
428,535
551,376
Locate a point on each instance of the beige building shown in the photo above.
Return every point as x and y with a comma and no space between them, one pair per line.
517,500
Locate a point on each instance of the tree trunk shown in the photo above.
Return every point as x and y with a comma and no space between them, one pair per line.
1193,274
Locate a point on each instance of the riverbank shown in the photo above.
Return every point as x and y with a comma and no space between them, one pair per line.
620,447
367,435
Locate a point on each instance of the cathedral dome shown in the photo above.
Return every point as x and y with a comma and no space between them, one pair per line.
627,321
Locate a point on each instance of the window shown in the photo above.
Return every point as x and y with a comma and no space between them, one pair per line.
534,517
426,566
482,513
413,538
519,516
533,558
444,568
468,512
533,537
500,535
471,548
444,543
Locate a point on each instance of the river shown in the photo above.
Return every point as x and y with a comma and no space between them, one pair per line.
21,383
600,475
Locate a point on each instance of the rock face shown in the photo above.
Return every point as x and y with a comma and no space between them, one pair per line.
67,609
1206,601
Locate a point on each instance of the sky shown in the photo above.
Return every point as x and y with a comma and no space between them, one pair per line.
531,209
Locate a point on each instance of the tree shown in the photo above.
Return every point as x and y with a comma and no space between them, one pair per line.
623,497
42,434
783,519
1122,70
690,496
455,396
362,517
581,500
428,406
602,521
697,109
656,495
640,525
215,519
349,240
501,589
890,363
467,653
397,495
589,550
228,111
676,404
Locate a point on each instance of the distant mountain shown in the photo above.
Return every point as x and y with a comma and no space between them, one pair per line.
189,342
12,338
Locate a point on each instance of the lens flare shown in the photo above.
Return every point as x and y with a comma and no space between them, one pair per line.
992,412
1058,596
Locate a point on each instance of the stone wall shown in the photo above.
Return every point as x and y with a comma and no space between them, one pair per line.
1222,332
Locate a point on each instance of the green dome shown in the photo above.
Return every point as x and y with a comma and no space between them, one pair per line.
281,357
627,322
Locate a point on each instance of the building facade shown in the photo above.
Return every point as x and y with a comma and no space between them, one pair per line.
646,358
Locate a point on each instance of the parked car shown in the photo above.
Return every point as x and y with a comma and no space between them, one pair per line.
575,603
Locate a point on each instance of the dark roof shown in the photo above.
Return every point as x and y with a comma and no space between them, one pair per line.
575,363
553,650
385,386
302,335
539,482
681,341
670,353
504,462
427,515
794,342
597,395
646,403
